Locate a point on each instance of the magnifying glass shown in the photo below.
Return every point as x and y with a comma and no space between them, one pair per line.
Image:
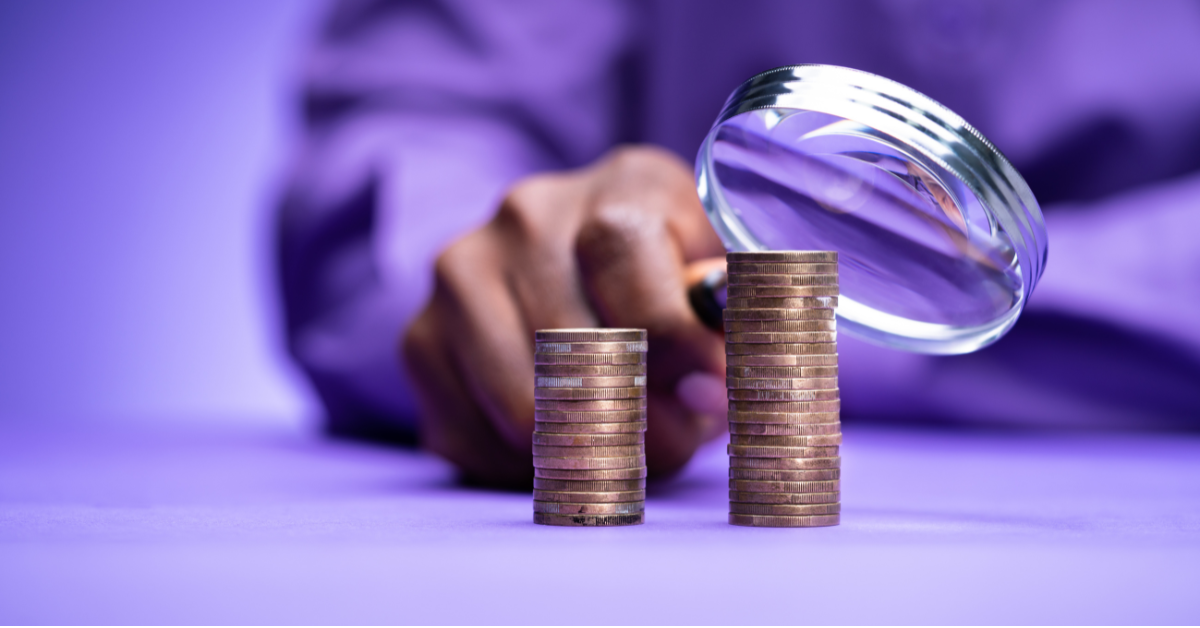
940,240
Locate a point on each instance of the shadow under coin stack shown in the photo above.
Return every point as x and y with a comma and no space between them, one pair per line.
589,456
781,356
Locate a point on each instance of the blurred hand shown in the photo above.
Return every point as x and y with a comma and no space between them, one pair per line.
612,245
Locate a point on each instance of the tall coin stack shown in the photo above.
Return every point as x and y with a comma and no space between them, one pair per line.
589,453
781,357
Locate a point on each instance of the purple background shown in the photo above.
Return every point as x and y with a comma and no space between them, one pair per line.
140,142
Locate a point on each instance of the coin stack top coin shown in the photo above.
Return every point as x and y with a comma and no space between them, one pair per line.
784,403
589,456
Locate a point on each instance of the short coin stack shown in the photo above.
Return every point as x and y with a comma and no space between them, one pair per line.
781,356
589,455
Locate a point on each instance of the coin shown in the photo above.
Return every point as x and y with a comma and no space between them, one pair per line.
754,337
596,405
767,521
633,392
626,427
795,279
771,475
789,327
823,394
588,509
784,418
749,451
758,486
587,440
590,382
781,360
751,292
746,497
589,497
787,407
787,372
589,486
590,347
789,464
632,473
589,370
772,303
556,462
793,257
781,383
816,440
589,335
590,359
809,348
764,429
588,521
779,314
609,416
620,451
738,508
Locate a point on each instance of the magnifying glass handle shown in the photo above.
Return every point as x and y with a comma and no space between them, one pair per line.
708,297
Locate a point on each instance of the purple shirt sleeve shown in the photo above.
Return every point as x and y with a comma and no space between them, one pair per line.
417,117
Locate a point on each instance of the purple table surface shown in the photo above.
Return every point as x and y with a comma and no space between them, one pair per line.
240,524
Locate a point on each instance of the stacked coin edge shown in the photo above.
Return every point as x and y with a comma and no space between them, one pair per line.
784,401
589,427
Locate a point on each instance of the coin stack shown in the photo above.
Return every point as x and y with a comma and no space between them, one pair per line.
781,357
589,456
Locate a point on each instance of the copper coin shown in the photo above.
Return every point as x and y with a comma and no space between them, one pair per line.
620,451
784,509
746,497
778,337
627,381
804,348
784,418
787,407
766,429
588,521
589,486
747,451
779,327
767,521
778,314
633,473
781,360
594,405
772,303
557,508
792,257
589,497
781,383
611,416
590,359
626,427
589,335
752,292
589,440
785,464
792,279
776,372
591,347
589,370
771,475
822,440
581,394
559,462
748,268
823,394
758,486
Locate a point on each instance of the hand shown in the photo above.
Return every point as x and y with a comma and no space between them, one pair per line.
612,245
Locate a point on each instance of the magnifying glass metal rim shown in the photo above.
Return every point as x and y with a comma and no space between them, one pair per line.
933,134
